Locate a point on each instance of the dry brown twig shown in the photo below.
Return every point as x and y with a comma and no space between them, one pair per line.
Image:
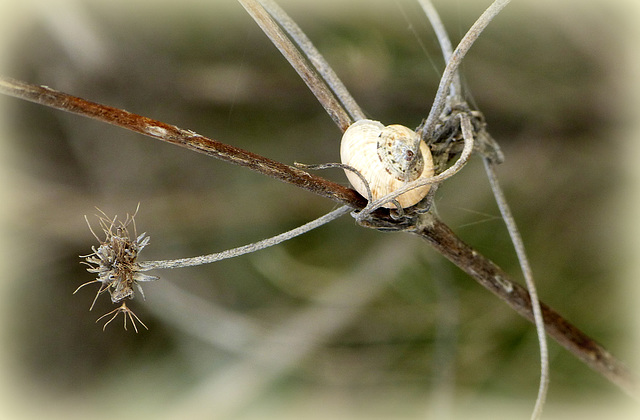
425,225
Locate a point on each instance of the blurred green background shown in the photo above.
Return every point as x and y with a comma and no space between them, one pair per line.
342,322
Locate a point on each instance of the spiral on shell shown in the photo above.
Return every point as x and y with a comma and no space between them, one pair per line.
387,157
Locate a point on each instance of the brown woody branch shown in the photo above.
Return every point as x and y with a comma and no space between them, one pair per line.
434,231
493,278
186,138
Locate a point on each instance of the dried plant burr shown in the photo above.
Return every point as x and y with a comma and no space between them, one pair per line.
114,262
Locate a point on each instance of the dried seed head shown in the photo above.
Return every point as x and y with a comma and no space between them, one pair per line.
114,262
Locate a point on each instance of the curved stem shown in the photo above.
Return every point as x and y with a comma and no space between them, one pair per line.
518,244
444,41
246,249
454,62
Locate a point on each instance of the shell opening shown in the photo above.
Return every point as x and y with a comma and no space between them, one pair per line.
397,148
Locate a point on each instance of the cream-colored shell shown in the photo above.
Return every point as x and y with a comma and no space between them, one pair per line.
359,149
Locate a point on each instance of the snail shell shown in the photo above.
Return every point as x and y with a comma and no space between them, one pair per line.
386,157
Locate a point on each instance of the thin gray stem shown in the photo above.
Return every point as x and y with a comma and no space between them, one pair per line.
317,60
245,249
301,65
342,166
518,244
444,41
454,62
455,91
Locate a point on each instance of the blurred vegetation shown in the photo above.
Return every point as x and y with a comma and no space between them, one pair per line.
422,338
